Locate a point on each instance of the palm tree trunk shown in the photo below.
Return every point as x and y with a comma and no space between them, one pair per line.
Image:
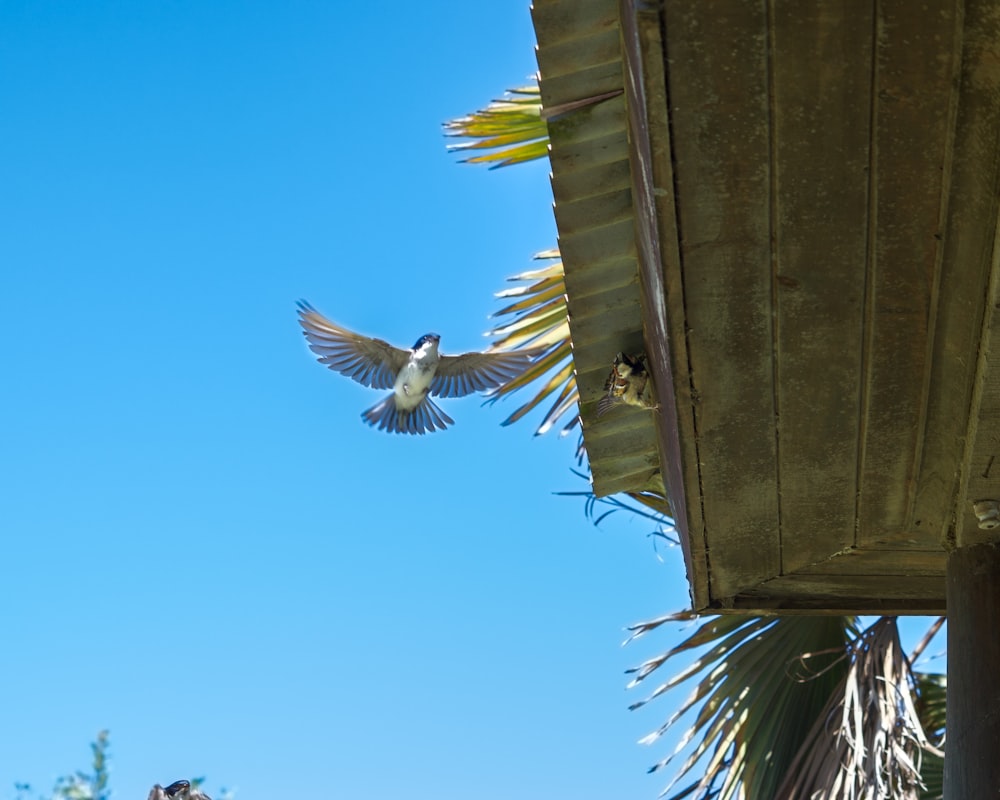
972,760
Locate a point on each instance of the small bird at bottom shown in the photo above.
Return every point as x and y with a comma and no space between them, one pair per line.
178,790
627,384
413,375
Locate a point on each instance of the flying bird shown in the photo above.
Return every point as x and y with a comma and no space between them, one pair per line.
627,384
413,375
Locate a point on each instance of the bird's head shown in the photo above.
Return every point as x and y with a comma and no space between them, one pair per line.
178,790
427,338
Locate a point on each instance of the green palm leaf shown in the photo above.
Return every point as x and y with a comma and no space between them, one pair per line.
540,322
512,127
764,682
931,689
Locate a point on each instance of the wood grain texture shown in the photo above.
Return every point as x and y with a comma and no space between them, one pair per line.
914,88
719,118
794,208
971,768
662,283
980,468
822,96
968,261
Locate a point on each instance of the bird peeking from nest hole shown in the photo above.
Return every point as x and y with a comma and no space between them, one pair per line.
628,384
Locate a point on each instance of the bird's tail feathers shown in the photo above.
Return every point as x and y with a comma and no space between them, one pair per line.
425,418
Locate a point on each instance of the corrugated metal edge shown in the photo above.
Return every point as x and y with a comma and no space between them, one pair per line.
592,190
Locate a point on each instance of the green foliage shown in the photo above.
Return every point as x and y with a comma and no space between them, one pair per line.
931,689
512,128
80,785
540,323
511,131
763,683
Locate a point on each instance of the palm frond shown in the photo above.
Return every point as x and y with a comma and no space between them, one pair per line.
513,128
655,501
931,689
764,681
932,772
649,505
868,743
541,323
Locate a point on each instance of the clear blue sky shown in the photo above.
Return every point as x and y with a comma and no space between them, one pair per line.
203,548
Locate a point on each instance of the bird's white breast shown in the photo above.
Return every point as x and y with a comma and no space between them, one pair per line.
414,379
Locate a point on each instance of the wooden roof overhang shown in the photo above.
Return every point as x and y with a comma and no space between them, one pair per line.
793,209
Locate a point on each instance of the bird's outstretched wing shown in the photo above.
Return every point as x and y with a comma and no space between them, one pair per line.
458,376
372,362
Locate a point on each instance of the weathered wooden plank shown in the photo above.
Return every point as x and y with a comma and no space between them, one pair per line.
614,330
635,463
888,563
595,213
719,120
811,591
597,245
968,256
583,183
591,188
617,481
571,152
914,82
588,123
982,470
601,45
840,605
558,21
609,275
591,81
981,467
821,68
657,242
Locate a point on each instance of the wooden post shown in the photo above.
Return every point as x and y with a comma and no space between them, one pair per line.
972,747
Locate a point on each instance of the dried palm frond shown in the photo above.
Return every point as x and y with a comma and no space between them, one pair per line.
764,682
868,743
